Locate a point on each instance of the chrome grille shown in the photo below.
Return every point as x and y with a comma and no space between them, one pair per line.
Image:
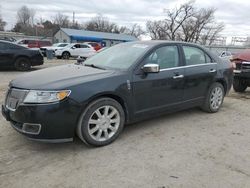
245,65
14,98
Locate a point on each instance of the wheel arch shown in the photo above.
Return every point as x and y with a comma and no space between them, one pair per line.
115,97
223,83
21,56
66,51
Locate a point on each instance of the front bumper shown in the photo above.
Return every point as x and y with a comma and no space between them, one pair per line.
49,122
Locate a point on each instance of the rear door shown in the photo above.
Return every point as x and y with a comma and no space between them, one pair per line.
200,72
85,50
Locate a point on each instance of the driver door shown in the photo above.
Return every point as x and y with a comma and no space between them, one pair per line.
75,50
162,90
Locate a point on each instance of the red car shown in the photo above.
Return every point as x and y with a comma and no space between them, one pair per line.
33,43
241,63
95,45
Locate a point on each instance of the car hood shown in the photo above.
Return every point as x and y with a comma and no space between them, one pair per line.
243,56
60,77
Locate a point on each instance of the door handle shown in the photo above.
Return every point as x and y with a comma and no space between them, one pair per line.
178,76
212,70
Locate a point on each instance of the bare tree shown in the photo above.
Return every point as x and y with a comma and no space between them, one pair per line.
157,30
100,23
25,16
176,17
61,20
2,24
135,30
187,23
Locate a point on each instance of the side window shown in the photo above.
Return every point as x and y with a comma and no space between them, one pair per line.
165,57
193,55
77,45
84,46
2,46
13,47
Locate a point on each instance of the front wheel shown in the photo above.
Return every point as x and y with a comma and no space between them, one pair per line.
101,122
214,98
239,85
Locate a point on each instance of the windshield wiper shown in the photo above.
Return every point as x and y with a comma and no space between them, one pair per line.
94,66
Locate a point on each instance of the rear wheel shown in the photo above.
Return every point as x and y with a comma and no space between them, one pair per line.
23,64
214,98
239,85
101,122
65,55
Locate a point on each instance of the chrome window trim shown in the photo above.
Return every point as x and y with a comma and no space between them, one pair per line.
187,66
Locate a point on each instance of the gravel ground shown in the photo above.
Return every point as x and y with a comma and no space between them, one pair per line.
186,149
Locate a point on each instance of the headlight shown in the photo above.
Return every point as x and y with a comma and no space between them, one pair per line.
40,97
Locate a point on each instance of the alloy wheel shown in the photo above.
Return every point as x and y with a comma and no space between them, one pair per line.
104,123
216,98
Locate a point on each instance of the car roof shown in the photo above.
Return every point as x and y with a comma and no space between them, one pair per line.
156,42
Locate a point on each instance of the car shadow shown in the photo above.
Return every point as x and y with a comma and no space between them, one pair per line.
243,96
14,70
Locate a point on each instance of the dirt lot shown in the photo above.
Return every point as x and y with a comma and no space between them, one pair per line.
186,149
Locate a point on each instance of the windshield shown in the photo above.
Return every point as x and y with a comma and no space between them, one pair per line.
120,56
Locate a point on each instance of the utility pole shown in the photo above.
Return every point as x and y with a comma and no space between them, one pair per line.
73,19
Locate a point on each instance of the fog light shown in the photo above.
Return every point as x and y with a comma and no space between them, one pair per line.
31,128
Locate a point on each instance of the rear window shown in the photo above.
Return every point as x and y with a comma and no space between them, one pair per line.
31,42
193,55
45,43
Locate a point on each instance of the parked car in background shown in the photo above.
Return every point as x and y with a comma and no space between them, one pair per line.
75,50
10,39
81,59
95,45
19,57
241,63
33,43
54,47
123,84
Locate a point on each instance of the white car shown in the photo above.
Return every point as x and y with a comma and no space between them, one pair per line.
54,47
75,50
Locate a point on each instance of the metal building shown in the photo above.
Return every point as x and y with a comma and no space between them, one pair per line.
106,39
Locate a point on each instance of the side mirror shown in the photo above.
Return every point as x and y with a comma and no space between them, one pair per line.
151,68
73,47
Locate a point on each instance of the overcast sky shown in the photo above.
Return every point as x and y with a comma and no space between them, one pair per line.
234,13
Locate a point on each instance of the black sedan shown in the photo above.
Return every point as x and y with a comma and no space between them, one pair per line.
19,57
123,84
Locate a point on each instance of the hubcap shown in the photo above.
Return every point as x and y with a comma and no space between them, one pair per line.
104,123
216,98
66,55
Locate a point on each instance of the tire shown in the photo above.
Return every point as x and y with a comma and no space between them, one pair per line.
214,98
239,85
22,64
65,55
103,128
